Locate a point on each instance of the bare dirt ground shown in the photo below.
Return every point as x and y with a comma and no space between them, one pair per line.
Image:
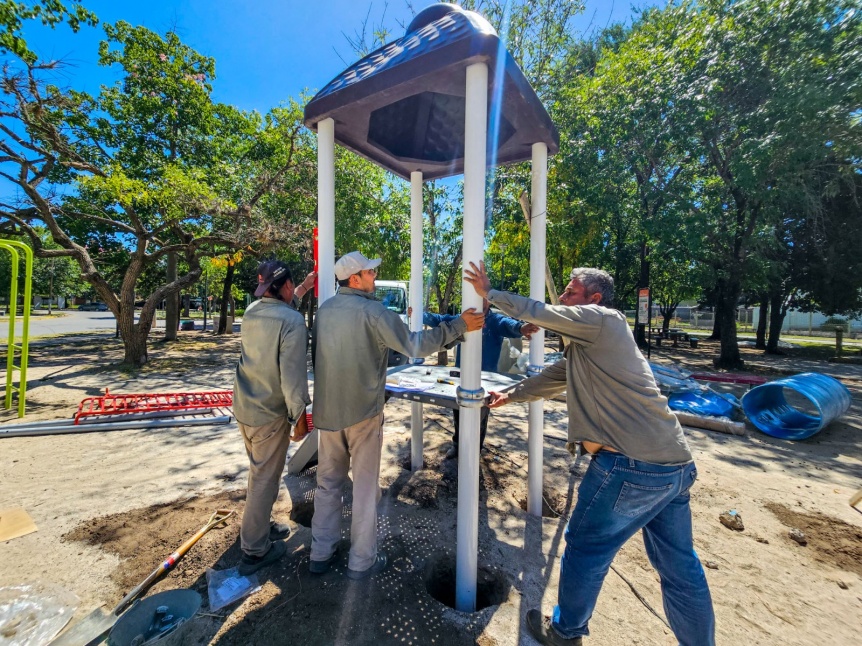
111,506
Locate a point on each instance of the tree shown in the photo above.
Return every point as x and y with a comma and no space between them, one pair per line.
146,167
49,12
763,83
673,280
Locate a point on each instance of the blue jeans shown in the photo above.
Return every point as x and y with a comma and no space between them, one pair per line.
617,497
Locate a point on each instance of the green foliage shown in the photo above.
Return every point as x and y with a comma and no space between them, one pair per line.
48,12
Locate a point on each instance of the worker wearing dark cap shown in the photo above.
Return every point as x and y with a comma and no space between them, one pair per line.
270,394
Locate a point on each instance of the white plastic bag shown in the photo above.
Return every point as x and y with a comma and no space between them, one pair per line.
226,586
32,614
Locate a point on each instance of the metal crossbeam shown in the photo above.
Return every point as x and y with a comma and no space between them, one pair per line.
109,404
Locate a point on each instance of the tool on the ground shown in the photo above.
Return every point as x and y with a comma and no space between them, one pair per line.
446,381
94,626
152,620
109,404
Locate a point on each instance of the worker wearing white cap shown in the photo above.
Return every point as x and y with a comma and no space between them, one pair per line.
353,334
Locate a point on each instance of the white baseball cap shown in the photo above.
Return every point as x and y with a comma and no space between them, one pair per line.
352,263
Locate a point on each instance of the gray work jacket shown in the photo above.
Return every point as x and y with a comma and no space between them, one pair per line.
352,336
271,379
611,394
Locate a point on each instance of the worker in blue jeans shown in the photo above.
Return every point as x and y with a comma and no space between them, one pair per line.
497,327
641,469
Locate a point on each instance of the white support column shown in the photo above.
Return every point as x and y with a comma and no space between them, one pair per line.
470,393
416,300
326,209
538,225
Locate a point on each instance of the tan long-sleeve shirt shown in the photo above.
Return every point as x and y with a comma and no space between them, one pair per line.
611,394
271,379
353,333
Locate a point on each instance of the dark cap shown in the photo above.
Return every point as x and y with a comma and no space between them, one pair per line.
269,272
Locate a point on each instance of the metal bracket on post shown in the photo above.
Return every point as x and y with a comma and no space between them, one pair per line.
533,370
470,398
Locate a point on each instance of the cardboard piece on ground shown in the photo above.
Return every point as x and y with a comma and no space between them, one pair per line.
15,522
856,498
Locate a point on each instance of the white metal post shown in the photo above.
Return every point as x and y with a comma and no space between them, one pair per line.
416,300
470,393
538,223
325,209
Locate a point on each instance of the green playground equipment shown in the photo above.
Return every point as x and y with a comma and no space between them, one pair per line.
12,246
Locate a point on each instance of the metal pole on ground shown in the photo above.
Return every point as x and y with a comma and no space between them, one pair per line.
416,300
326,209
470,392
538,225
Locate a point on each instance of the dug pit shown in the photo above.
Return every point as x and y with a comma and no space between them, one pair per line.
492,588
302,512
553,505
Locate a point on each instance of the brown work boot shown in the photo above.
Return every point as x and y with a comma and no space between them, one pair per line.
543,632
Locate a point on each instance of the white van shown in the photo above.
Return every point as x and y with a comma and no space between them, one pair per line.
394,296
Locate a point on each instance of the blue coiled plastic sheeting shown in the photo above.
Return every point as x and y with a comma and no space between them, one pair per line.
707,403
768,409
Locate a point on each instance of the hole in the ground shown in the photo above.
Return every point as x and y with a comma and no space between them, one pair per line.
553,505
492,588
301,513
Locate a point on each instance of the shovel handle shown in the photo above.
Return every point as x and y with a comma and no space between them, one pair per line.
218,517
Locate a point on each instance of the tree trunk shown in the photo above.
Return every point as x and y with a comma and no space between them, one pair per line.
172,303
667,315
134,335
760,343
726,320
225,298
776,320
187,300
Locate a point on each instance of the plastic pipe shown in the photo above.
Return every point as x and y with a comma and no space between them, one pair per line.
720,424
475,151
117,426
416,300
326,209
768,409
538,226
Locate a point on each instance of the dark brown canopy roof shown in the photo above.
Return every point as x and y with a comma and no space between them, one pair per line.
403,106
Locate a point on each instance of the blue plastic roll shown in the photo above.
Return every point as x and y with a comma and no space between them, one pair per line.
769,411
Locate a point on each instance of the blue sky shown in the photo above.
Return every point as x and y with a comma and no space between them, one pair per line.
266,51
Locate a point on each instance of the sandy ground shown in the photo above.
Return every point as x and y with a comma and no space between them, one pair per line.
111,506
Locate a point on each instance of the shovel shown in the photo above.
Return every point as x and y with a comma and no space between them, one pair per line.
92,628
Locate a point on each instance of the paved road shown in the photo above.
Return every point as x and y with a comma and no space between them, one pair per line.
76,321
72,321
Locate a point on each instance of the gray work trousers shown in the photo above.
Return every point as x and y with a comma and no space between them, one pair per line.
266,447
357,447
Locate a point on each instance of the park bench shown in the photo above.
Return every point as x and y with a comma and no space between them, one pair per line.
675,335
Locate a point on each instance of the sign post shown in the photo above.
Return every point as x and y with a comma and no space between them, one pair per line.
644,315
